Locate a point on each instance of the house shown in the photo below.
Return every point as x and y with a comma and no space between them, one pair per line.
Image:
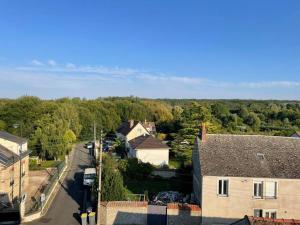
129,130
296,135
237,175
150,126
146,148
250,220
14,164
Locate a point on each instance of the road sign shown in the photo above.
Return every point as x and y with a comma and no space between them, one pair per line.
43,197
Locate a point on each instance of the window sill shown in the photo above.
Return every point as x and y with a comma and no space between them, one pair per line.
222,196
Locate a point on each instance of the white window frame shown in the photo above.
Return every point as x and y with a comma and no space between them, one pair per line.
262,211
222,187
275,191
265,211
262,189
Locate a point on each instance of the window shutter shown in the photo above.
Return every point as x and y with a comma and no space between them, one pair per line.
270,189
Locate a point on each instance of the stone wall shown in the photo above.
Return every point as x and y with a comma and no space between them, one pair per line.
10,178
123,212
183,214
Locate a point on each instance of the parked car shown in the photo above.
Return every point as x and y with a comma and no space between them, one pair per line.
89,145
89,176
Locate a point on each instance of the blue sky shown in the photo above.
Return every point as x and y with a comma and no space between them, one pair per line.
150,48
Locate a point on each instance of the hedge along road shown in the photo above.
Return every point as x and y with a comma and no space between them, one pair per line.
68,202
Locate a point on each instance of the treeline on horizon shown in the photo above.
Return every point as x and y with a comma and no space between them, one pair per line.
53,125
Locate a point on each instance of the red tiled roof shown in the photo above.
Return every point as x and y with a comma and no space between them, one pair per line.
124,204
180,206
260,220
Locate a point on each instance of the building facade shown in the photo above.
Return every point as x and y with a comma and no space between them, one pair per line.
148,149
254,175
14,166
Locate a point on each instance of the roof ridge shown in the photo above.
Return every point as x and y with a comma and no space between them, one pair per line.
252,135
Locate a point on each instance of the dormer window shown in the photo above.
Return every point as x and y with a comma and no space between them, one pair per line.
260,156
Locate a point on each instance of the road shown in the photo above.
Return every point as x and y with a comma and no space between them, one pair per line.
66,206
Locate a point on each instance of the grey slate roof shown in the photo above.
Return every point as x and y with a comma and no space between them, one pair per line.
125,128
7,157
13,138
236,155
147,142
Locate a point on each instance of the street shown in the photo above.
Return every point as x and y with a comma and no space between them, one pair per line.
67,204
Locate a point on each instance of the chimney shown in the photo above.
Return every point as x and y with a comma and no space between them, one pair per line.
203,133
131,123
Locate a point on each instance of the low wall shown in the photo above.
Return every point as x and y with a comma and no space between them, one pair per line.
164,173
50,196
123,212
183,214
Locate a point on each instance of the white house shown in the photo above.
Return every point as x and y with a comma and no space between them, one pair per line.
149,149
129,130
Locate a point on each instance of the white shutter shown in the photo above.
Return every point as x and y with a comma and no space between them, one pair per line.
270,189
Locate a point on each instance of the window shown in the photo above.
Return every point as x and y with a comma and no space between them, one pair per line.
223,187
270,214
267,213
258,189
271,187
260,156
258,213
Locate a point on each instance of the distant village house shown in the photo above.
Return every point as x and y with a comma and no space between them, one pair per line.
149,149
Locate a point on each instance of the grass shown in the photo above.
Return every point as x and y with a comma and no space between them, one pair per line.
44,164
155,185
175,164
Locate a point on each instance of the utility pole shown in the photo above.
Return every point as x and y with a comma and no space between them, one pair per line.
95,140
20,178
99,180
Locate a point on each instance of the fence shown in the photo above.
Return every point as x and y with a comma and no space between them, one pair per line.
35,204
136,197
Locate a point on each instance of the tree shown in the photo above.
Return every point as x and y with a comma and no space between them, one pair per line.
112,182
253,121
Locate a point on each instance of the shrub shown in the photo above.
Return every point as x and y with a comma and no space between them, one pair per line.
132,168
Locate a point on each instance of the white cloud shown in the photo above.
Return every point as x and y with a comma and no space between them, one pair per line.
271,84
70,66
51,62
36,62
101,80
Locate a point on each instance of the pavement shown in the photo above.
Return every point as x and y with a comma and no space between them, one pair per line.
66,207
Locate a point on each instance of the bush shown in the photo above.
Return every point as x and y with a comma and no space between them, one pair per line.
134,169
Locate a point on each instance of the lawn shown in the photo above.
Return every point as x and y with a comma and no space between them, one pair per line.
44,164
155,185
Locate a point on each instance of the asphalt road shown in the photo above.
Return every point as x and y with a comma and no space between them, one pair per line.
67,204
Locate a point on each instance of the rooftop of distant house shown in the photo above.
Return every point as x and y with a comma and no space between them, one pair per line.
297,133
10,137
127,126
147,142
249,155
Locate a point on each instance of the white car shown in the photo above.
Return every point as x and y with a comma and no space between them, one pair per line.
89,176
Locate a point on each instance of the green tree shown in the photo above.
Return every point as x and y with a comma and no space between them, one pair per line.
112,182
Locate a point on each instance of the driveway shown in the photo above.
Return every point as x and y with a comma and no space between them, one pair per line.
67,204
